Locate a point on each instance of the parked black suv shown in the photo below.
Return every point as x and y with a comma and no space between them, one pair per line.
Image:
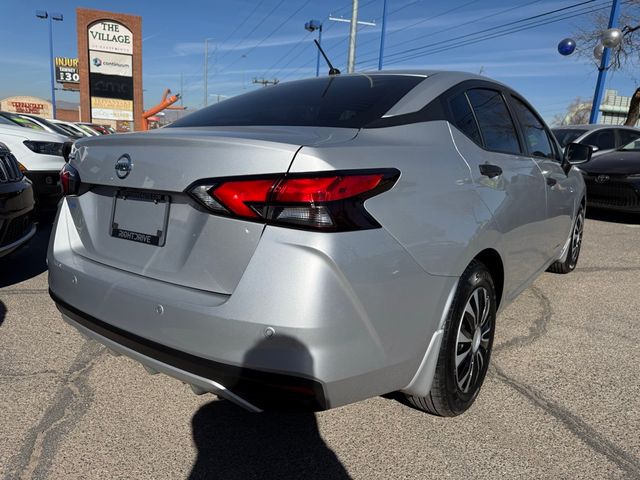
16,204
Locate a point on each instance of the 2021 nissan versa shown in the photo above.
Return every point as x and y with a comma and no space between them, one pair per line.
321,241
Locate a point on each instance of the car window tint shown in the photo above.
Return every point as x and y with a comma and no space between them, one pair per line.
350,102
603,139
534,132
496,126
463,117
566,135
627,136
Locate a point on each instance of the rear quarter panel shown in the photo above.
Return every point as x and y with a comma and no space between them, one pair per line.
433,210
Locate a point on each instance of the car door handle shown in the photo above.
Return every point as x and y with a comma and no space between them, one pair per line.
551,181
489,170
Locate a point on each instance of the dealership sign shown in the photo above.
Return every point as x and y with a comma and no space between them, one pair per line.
67,70
109,36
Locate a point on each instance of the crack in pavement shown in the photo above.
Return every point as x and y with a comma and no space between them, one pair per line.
572,422
578,427
537,330
70,403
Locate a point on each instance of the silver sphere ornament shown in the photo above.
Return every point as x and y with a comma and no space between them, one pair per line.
598,51
611,38
566,46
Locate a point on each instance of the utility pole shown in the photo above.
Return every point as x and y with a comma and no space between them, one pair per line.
264,82
206,69
351,60
353,31
604,65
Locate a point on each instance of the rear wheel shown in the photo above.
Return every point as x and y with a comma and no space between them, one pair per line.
571,260
466,346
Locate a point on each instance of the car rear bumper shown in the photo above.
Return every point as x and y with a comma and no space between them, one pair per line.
317,321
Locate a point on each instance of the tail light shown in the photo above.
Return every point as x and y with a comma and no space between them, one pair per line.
69,180
326,201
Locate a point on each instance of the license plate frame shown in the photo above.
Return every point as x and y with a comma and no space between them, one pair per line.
160,200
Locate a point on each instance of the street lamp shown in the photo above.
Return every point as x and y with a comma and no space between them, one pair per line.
313,25
43,14
610,38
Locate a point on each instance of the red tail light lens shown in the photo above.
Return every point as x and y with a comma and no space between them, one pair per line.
69,180
320,201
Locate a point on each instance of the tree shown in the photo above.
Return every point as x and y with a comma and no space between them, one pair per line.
626,56
577,113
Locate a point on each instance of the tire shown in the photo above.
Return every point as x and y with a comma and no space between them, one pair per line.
569,264
453,392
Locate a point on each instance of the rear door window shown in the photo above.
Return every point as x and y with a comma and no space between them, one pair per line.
626,136
496,125
535,134
603,139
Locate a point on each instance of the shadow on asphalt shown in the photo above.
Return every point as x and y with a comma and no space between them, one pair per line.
613,216
3,312
28,261
233,443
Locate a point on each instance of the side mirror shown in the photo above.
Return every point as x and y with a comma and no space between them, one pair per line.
594,149
576,153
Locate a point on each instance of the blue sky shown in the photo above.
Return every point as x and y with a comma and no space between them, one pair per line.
272,43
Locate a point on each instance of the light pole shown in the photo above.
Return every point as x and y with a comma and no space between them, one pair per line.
313,25
43,14
383,32
610,39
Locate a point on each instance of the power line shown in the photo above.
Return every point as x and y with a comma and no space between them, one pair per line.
422,48
272,32
495,35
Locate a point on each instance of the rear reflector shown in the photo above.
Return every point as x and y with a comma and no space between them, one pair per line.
326,201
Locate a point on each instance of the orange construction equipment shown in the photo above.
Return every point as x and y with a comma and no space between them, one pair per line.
165,104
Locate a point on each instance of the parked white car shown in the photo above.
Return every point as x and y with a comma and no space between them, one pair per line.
39,155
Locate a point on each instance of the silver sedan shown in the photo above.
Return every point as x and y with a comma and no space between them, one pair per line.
319,242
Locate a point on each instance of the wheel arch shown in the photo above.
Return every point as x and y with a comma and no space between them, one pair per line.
493,261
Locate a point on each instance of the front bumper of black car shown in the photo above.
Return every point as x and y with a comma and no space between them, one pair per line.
613,192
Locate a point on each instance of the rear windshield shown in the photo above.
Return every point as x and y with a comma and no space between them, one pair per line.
567,135
350,102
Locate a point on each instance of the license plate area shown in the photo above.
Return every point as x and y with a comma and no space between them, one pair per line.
140,217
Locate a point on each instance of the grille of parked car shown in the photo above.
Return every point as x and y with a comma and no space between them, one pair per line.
15,229
9,171
611,193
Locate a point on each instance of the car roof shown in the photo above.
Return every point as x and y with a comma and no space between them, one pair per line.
592,126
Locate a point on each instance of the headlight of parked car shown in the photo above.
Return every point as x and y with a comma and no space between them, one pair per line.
46,148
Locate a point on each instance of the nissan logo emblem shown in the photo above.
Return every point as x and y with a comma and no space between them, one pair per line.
602,178
123,166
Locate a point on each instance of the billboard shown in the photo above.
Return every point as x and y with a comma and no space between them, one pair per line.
67,70
24,104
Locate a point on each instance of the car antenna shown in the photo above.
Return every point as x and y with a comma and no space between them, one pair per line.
332,69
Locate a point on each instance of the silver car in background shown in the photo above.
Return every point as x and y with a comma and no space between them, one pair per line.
319,242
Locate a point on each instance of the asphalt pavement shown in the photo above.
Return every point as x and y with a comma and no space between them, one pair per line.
561,400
